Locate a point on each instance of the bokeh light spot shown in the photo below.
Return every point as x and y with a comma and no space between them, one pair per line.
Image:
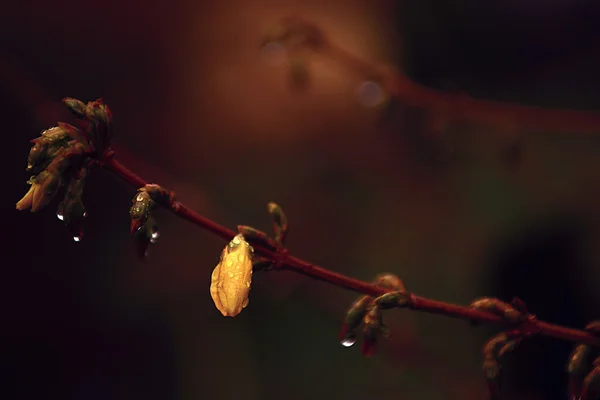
273,53
370,94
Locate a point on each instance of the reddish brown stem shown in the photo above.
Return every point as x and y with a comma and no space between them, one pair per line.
462,108
300,266
455,107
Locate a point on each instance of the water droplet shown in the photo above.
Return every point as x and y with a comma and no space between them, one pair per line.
370,94
154,237
60,216
85,214
230,275
349,340
76,238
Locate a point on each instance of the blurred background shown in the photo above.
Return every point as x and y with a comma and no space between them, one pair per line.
457,211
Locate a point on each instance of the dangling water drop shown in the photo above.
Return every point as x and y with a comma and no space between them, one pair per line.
85,214
60,216
77,238
349,340
154,237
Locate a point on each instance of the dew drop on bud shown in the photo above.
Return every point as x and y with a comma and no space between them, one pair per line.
154,237
77,238
348,340
60,216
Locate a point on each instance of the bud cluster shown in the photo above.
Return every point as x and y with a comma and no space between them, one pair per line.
368,311
61,156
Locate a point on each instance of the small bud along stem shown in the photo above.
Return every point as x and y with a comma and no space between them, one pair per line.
417,303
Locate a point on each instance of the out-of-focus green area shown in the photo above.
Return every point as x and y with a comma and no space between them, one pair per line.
459,212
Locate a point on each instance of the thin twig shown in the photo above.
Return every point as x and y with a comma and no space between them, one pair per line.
417,303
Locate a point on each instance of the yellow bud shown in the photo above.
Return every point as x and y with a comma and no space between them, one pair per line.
231,278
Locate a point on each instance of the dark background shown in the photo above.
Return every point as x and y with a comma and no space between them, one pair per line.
464,212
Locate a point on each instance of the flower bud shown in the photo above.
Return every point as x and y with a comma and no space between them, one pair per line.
232,277
497,307
393,299
43,189
99,119
140,210
255,236
76,107
160,195
354,317
38,156
390,281
46,148
373,323
280,222
493,352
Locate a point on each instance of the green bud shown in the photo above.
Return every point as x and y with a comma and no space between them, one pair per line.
140,210
76,107
99,117
254,236
493,352
41,192
74,133
393,299
357,312
390,281
497,307
160,195
373,322
46,147
280,222
38,156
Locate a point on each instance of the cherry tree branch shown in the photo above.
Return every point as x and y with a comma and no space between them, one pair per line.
417,303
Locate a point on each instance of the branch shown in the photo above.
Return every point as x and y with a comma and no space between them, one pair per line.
299,35
333,278
63,155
